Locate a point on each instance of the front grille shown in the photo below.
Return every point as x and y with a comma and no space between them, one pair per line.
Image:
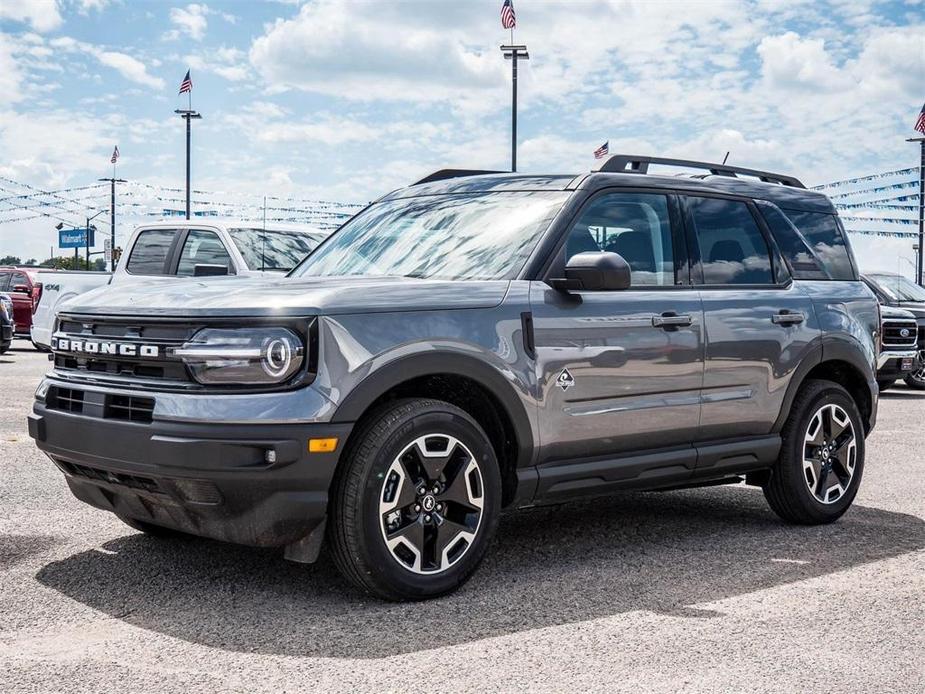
90,403
96,365
893,337
145,484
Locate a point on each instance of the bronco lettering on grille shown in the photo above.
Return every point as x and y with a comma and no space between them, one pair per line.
122,349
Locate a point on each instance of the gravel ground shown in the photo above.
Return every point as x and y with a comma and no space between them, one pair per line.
700,590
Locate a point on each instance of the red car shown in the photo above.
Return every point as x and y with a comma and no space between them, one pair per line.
25,290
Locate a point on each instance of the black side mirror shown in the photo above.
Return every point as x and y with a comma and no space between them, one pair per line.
595,271
209,270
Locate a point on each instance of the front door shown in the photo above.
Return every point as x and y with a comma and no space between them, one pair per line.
620,371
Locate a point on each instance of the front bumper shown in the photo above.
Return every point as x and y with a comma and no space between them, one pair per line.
891,363
204,478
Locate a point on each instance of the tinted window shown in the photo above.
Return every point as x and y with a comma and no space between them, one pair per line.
273,250
899,288
825,238
150,252
18,279
732,249
804,265
635,225
202,248
4,281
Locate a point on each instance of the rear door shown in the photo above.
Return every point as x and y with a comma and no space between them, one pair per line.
758,323
620,371
22,301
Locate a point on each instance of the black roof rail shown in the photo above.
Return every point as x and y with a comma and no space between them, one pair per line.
628,163
444,174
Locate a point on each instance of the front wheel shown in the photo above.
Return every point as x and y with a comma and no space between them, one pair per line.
822,456
416,502
915,379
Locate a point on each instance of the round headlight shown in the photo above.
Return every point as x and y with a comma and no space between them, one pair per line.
244,356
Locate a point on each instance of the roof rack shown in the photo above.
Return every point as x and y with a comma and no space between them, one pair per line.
444,174
628,163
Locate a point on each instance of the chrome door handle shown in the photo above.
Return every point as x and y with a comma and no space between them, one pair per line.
670,320
788,318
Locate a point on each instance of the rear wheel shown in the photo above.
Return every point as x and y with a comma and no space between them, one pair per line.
417,501
821,462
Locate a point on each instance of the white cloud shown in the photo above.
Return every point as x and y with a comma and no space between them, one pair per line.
87,6
10,75
793,63
190,20
41,15
229,63
129,67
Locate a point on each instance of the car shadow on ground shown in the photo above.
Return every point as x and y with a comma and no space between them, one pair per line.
665,553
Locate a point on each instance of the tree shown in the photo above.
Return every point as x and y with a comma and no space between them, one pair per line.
10,260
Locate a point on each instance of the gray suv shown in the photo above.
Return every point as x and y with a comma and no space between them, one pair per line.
474,342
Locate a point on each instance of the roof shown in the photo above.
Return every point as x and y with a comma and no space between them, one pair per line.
786,197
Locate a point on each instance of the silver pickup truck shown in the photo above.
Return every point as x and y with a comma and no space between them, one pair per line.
171,249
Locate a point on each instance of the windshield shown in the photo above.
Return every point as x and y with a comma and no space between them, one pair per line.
480,236
898,288
273,249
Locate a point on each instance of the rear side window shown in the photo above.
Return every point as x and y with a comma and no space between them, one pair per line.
202,248
825,238
4,281
149,254
804,265
732,248
19,279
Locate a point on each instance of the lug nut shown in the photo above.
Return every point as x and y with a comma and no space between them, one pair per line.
417,507
427,518
436,489
422,490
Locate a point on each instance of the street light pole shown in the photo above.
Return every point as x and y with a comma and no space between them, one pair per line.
87,237
919,253
112,216
512,53
187,115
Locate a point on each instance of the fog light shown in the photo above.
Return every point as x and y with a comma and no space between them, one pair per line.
270,456
322,445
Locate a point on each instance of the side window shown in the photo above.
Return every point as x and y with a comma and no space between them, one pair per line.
4,281
18,279
202,248
804,265
825,238
732,249
149,254
635,225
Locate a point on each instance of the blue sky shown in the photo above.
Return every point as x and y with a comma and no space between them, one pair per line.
344,100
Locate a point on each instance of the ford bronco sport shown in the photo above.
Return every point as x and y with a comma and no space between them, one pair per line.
474,342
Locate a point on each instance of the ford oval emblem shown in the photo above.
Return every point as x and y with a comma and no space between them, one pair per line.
905,332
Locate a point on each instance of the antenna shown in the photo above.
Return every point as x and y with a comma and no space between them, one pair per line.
726,158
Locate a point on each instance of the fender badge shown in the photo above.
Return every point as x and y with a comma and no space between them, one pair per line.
565,380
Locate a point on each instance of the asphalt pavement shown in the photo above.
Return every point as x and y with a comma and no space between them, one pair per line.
697,590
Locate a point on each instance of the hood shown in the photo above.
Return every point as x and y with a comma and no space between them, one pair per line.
915,308
894,312
249,296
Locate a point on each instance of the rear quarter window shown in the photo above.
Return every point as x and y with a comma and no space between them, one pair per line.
803,262
825,238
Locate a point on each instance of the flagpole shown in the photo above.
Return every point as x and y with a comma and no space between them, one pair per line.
512,53
919,252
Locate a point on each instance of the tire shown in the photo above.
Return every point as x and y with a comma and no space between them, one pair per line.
380,533
916,378
886,383
795,490
151,529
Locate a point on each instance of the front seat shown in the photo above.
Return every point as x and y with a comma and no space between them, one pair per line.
636,249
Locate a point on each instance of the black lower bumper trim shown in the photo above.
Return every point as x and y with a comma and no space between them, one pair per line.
252,484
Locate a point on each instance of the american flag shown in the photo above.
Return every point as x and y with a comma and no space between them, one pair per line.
115,155
186,85
508,20
602,151
920,123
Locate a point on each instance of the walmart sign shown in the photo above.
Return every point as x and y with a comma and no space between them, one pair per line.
75,238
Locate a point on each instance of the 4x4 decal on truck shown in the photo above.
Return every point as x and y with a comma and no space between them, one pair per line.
565,380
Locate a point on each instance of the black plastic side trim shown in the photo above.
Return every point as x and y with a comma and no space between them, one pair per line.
526,324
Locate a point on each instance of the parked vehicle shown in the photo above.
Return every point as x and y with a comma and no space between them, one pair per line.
899,353
57,287
171,249
21,285
896,290
197,249
6,323
472,342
